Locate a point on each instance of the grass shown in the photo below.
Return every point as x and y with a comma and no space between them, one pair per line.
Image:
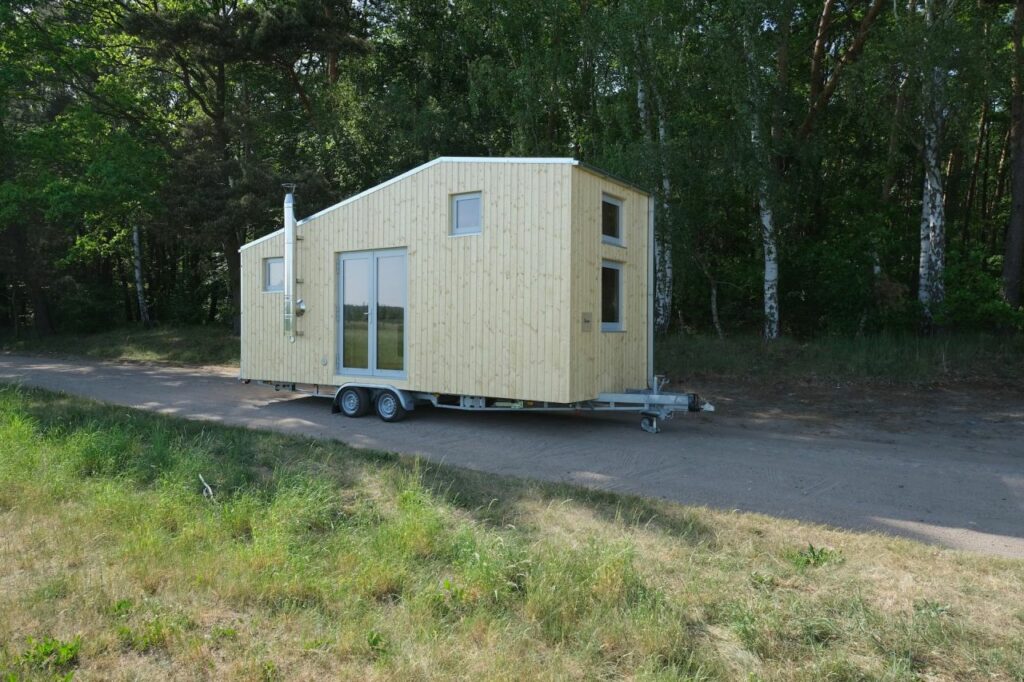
882,359
390,345
183,345
905,361
311,560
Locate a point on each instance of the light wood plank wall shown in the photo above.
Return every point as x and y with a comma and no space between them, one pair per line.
607,361
487,314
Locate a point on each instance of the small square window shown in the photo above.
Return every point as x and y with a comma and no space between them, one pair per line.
466,213
611,296
611,220
273,274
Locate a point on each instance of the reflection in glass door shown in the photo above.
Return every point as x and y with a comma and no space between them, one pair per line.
372,293
355,326
390,300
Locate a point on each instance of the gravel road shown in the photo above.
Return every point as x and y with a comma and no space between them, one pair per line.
945,467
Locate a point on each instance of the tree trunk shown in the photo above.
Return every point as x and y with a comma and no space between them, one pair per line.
769,239
29,272
771,263
972,184
1013,257
663,241
662,237
233,261
140,290
40,310
992,207
951,187
932,260
888,184
714,309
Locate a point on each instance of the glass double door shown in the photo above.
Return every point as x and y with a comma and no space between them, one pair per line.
372,287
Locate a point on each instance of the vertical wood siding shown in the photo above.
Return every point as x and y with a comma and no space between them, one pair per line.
487,314
607,361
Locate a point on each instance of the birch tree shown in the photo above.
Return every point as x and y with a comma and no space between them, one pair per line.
140,287
662,235
757,102
932,256
1013,256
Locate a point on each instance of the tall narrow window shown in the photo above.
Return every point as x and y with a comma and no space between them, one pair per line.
273,274
466,212
371,326
611,220
611,296
390,330
355,313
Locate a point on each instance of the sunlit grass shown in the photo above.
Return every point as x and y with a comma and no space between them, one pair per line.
187,345
315,561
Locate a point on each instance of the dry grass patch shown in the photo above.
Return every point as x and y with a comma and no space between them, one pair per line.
315,561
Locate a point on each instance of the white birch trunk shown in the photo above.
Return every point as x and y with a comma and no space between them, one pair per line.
663,242
771,263
662,245
140,289
769,241
641,105
932,259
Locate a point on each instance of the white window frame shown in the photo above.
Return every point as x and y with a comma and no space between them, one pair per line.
620,239
456,231
267,289
372,257
618,326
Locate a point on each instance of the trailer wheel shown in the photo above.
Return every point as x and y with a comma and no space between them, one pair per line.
650,424
389,407
354,402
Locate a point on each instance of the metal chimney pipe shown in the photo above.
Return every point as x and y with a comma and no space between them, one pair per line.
289,263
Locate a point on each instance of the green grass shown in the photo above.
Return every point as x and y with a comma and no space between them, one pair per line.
184,345
895,360
390,345
315,561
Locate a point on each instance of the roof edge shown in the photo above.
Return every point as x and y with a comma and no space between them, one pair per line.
447,159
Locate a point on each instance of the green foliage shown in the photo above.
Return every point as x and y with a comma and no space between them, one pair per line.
175,344
149,636
51,654
813,557
900,360
183,120
974,300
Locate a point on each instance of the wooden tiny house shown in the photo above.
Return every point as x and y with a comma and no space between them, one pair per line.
501,279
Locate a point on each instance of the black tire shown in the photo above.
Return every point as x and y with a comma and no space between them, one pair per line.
389,407
354,402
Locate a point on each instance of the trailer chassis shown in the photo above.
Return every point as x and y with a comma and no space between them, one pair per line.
654,407
652,404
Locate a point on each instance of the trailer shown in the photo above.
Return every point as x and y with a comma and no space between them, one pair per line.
475,284
394,404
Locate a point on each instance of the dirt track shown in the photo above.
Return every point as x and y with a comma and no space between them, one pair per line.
944,467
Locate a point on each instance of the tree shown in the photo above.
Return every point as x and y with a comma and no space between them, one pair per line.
1013,258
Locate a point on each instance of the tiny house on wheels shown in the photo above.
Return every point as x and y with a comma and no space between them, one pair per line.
465,283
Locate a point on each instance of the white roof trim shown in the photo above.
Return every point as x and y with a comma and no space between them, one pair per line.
417,169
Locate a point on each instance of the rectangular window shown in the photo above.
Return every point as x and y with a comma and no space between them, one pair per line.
355,311
611,296
273,274
390,299
372,294
466,212
611,220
